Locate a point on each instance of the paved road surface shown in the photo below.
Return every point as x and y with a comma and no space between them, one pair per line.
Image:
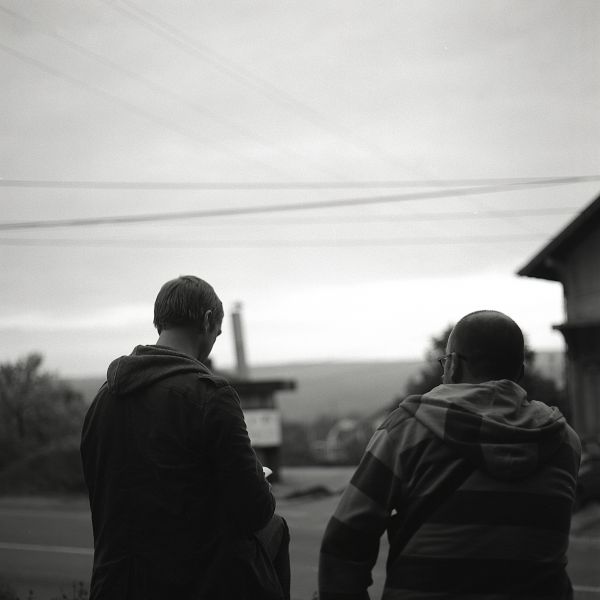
45,544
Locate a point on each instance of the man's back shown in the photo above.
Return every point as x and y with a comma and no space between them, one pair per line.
475,486
175,488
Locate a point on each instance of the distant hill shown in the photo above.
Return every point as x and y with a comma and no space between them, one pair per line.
362,387
322,389
338,388
87,386
342,388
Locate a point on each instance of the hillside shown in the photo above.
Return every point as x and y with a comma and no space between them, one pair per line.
322,389
338,388
88,386
343,388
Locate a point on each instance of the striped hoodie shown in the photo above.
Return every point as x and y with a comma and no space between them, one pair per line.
474,484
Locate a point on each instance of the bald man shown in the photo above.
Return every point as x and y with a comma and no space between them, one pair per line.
473,482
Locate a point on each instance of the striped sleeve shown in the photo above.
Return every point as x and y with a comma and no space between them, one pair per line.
351,541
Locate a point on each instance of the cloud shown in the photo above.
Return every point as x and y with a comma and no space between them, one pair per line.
114,317
391,319
385,320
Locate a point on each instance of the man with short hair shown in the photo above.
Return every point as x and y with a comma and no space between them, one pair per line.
180,505
474,482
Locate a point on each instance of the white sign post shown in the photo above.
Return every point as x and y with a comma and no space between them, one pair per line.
264,427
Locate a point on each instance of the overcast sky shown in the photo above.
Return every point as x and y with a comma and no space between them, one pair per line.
368,95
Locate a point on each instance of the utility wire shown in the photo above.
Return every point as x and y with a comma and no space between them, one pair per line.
282,185
140,112
279,208
411,217
287,243
148,83
249,79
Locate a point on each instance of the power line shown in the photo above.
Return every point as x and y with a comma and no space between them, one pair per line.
140,112
244,76
280,208
416,217
263,243
230,125
284,185
412,216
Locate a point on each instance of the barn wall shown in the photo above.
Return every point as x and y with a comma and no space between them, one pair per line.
582,279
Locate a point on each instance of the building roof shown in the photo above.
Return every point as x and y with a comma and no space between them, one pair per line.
261,387
543,264
584,325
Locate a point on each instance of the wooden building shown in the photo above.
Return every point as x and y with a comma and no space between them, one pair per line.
573,258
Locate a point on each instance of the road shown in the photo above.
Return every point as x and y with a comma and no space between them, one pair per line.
45,546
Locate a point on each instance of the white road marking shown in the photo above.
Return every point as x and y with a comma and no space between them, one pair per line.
292,514
588,541
40,548
586,588
45,514
90,552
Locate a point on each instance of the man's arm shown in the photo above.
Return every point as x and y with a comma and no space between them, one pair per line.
351,542
245,491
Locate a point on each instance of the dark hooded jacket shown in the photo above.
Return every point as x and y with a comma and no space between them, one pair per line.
475,485
175,488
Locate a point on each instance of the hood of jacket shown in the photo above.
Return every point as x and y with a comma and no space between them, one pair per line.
147,365
492,424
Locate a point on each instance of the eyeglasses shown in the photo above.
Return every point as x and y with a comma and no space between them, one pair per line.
442,359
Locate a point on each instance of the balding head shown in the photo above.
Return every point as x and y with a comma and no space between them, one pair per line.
491,344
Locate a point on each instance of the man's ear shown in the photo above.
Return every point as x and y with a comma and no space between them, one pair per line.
521,373
206,321
455,368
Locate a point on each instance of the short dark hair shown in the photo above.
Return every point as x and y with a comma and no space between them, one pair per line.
184,302
492,344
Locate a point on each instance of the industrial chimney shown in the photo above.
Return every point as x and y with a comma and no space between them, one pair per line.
238,338
258,401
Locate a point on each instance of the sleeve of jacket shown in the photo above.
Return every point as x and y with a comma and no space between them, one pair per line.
245,491
350,544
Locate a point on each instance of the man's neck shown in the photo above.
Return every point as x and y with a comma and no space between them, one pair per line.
178,339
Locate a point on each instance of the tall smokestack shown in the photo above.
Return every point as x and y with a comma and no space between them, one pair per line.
238,338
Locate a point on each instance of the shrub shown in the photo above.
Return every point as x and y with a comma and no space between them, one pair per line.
40,423
54,468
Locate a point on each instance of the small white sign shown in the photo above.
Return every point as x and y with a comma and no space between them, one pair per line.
264,427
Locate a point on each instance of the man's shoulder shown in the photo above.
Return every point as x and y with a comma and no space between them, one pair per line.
204,385
573,440
214,380
402,415
186,383
213,388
